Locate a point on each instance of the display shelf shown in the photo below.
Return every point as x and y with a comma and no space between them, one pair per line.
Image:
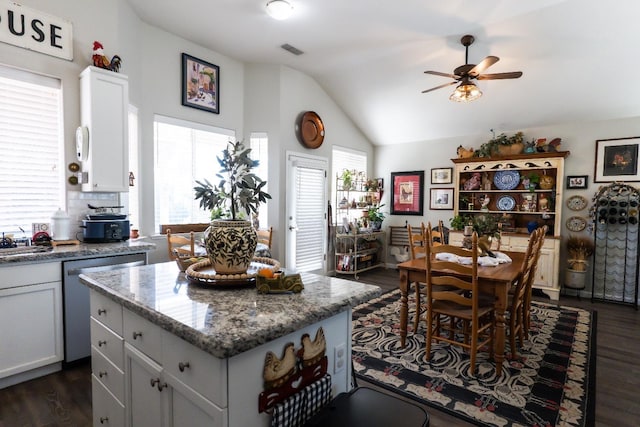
354,200
525,190
356,253
502,187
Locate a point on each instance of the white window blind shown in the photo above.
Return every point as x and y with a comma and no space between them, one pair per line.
259,144
185,152
310,203
31,143
134,192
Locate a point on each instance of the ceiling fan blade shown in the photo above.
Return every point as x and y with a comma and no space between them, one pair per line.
500,76
438,73
483,65
439,87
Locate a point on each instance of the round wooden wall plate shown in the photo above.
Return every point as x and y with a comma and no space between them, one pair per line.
311,130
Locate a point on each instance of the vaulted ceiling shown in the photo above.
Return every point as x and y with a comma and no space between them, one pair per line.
578,57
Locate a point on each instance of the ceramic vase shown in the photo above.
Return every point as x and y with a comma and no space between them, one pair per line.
230,245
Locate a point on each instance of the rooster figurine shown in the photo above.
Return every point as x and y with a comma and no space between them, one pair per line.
101,61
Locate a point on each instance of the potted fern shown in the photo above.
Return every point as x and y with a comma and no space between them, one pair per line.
231,242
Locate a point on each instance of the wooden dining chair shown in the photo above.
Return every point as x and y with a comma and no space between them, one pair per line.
265,236
179,245
520,300
437,234
417,244
471,318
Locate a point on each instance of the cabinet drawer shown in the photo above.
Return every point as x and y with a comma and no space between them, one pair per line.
21,275
106,311
107,343
205,374
108,374
107,411
143,335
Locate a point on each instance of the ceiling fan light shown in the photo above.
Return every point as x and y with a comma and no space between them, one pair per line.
466,92
279,9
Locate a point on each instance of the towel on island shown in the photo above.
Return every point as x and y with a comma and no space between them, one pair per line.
485,261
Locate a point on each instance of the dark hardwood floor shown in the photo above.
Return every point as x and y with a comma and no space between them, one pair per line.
64,398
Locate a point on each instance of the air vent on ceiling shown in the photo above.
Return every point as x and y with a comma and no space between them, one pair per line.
292,49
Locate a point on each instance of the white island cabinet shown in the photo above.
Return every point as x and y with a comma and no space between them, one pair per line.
31,317
170,353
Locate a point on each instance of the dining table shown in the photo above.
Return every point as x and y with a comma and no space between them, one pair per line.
494,280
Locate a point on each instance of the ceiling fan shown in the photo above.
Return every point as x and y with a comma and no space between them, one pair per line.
465,74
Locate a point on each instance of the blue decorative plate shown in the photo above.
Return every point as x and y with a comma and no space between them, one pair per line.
506,180
506,203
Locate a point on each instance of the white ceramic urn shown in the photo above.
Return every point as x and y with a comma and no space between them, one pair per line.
60,225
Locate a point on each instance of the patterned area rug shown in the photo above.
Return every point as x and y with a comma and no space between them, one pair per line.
551,383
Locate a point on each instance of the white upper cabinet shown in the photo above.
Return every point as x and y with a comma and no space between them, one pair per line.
102,144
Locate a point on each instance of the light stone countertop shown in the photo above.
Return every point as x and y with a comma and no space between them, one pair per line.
70,252
225,321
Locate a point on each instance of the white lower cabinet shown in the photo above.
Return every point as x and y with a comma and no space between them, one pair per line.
157,398
146,393
107,410
31,314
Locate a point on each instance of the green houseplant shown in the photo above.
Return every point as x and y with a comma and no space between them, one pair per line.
375,216
231,242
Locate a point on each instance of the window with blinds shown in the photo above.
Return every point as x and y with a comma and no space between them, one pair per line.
31,143
345,158
184,152
310,203
259,144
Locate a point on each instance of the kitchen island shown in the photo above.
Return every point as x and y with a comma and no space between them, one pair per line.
169,352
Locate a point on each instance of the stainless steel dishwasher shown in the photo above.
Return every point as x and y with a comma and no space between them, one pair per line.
77,339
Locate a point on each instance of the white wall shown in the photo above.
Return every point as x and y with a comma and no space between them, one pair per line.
578,138
275,97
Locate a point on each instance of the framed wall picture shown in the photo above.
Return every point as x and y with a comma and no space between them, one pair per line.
617,160
577,181
441,198
442,175
407,189
200,84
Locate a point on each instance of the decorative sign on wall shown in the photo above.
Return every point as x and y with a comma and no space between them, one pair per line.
34,30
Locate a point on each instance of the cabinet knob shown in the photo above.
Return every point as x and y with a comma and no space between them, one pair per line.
104,420
155,382
101,343
101,311
182,366
136,335
102,374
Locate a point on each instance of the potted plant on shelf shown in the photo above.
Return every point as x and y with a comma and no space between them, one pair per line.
230,242
347,179
579,249
502,145
375,217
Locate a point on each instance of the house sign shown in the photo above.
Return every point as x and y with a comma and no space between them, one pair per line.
31,29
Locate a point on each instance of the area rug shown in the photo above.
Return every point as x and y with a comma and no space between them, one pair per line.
550,383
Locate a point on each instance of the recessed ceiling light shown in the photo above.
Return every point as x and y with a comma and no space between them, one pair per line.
279,9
